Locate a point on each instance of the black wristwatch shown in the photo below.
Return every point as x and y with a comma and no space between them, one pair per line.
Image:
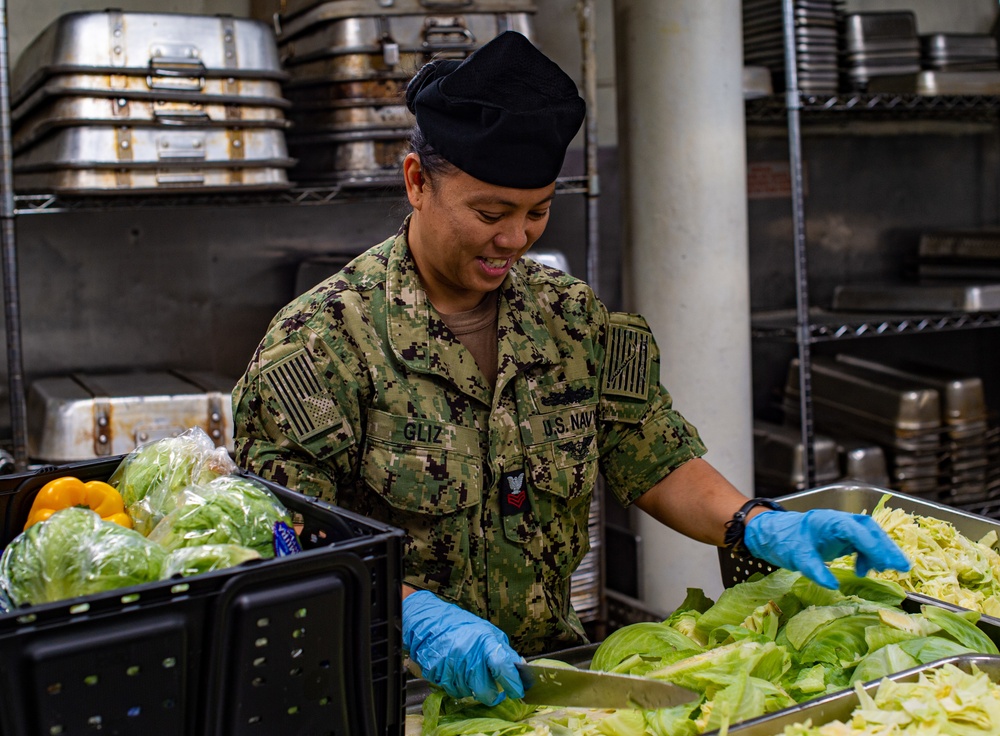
736,527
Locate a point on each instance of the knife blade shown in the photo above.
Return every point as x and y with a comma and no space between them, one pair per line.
573,687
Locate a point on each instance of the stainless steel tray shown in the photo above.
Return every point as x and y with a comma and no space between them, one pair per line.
838,706
140,43
64,112
391,36
864,31
299,16
877,399
917,297
961,246
152,181
778,457
230,91
934,83
962,396
106,146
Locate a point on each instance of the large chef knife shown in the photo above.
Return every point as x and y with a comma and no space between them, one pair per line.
572,687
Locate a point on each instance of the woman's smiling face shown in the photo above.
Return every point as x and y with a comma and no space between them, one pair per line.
466,234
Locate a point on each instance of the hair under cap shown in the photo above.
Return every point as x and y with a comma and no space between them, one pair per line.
505,115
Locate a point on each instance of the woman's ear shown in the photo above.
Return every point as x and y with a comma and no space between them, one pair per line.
413,177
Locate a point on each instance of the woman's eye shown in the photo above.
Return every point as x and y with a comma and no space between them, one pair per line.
536,215
490,217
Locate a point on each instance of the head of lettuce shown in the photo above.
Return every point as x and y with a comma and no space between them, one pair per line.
75,553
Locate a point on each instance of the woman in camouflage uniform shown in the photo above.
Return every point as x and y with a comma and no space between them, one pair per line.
446,385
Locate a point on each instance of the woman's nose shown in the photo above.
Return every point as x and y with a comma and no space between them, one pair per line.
513,235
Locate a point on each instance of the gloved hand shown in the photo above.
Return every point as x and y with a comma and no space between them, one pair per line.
802,541
459,651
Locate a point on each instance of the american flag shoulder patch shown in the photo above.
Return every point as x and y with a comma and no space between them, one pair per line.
626,369
307,405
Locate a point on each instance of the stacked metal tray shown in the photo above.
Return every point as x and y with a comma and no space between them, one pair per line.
122,102
348,64
964,419
901,415
958,51
880,44
815,37
959,254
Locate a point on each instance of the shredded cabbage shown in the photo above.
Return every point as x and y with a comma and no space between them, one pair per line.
946,565
944,700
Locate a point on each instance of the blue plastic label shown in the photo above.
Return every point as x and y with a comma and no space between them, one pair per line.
285,540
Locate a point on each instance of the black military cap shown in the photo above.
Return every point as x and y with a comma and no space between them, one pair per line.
505,115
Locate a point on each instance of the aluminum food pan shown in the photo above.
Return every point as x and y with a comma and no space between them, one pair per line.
74,111
105,146
932,83
300,16
881,400
958,44
234,91
139,43
862,30
917,297
85,182
960,246
962,396
778,456
394,35
838,706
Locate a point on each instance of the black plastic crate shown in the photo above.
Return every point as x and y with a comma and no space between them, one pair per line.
306,644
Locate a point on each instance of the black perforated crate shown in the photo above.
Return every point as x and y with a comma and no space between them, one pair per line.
307,644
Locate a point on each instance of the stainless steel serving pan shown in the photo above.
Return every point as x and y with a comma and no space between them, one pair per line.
150,181
180,44
778,457
891,29
931,83
900,405
62,112
839,706
87,147
230,91
962,396
395,35
917,297
299,16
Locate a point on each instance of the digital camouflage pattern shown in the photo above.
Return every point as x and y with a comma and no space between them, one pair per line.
359,394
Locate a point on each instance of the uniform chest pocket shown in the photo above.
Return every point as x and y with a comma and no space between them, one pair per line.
430,484
565,468
422,466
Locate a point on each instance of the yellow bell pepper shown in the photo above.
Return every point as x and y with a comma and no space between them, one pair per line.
67,492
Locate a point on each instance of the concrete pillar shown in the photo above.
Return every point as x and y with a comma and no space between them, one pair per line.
682,141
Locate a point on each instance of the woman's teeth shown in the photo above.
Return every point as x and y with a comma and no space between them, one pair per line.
495,262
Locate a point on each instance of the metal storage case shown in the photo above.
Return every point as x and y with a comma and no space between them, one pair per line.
349,63
172,91
308,643
80,416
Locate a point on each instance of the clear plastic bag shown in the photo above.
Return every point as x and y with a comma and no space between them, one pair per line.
229,509
75,553
150,477
187,561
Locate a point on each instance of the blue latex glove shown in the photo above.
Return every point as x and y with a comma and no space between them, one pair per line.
459,651
802,541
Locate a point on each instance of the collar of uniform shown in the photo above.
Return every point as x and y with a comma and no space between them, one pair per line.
414,327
